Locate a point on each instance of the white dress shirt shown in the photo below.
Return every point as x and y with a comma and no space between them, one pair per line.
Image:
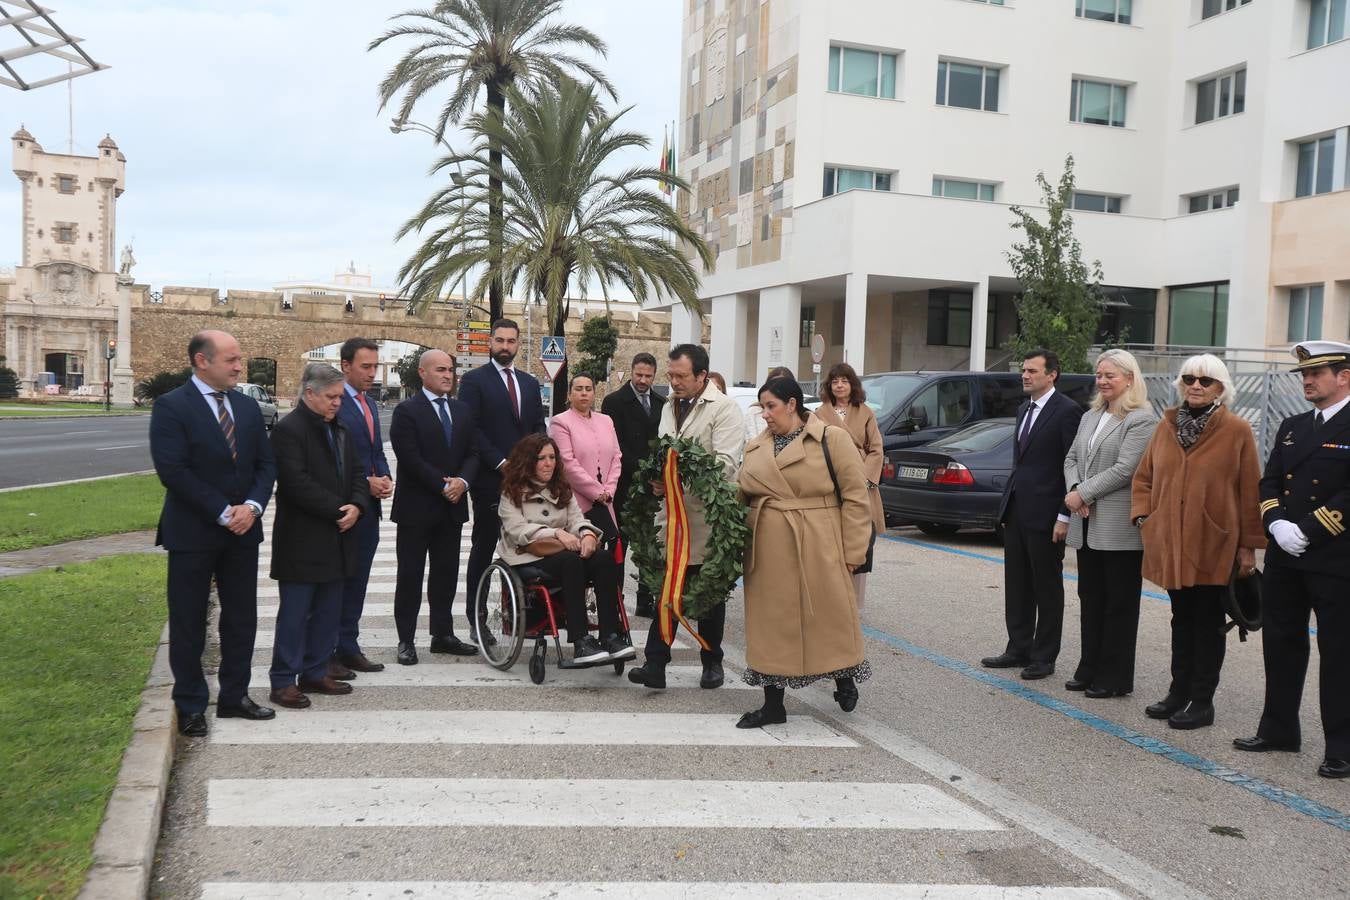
207,391
509,372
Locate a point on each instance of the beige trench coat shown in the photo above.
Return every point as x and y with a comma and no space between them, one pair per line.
538,517
716,423
800,615
861,424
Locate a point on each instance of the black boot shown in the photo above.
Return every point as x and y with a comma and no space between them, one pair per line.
771,713
845,694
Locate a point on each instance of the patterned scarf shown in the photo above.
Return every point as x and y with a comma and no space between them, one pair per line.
1191,423
782,440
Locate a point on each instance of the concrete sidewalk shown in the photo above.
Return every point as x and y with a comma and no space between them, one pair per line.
21,562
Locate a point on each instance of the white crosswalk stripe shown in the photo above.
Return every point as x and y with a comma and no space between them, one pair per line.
471,673
646,890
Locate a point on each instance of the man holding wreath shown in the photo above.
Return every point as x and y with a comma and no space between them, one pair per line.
697,411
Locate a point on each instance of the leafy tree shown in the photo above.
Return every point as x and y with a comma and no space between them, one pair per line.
490,46
567,220
599,341
9,381
161,383
263,372
408,378
1061,302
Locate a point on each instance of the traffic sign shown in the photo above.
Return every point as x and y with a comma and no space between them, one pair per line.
468,361
817,348
553,354
483,336
482,326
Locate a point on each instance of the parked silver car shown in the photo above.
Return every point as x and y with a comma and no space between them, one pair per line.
266,402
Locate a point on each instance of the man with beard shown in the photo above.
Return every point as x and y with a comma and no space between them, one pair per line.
506,405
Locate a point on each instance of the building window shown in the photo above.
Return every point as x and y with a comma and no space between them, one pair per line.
949,317
1198,315
1327,21
1225,95
1305,313
1316,166
1104,10
1096,202
65,233
66,184
1097,103
839,180
967,86
1128,315
808,326
1213,7
962,190
1198,203
864,72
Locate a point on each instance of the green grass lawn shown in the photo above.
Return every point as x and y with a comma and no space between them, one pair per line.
50,515
21,410
79,643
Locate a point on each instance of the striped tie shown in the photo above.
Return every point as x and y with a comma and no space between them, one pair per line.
226,423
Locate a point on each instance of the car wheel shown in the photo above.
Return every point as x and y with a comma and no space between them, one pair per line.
937,529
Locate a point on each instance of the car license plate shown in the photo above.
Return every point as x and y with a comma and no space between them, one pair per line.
918,473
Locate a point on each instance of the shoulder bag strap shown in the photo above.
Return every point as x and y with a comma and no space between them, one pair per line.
829,464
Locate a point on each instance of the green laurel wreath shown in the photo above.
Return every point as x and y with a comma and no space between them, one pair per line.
701,473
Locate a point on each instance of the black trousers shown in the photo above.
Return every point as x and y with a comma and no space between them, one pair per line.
411,548
1033,593
235,569
711,628
1290,595
1109,584
1198,641
574,573
621,500
487,530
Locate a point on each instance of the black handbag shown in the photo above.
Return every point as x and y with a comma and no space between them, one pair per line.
599,516
1243,603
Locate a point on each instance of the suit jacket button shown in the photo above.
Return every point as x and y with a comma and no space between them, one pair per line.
1289,477
1286,493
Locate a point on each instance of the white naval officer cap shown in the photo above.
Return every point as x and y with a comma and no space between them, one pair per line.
1315,354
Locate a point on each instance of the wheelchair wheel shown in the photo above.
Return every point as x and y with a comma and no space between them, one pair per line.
618,667
537,663
501,615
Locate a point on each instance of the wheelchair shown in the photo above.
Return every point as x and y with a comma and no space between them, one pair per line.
519,603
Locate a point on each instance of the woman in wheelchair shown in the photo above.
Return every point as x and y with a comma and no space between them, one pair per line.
542,526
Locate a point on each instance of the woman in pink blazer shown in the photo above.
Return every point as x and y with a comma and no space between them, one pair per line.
590,448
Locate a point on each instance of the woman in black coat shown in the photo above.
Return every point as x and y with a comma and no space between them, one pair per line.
321,492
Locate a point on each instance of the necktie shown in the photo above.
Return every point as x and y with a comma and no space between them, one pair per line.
1026,427
370,420
444,412
646,403
1317,420
511,389
226,423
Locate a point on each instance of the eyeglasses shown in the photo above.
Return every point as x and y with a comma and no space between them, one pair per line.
1205,380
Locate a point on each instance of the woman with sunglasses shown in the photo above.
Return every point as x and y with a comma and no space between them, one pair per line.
1195,499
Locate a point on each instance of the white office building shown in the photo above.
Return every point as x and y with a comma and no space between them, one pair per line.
852,163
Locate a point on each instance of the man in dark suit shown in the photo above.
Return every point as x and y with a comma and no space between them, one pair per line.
506,405
211,452
1305,505
360,358
1035,522
636,411
435,440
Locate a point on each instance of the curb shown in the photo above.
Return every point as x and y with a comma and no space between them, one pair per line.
26,487
124,850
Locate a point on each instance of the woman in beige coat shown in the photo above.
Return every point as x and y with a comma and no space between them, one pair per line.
843,405
1196,499
801,621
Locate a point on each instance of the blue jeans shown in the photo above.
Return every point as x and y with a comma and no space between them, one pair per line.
307,631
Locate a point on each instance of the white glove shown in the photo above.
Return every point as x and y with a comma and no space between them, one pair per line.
1289,536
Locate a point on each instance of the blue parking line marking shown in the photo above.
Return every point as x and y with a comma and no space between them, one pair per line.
1288,799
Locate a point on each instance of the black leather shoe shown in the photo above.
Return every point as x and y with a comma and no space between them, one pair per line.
452,645
192,725
1165,708
760,717
246,709
1334,768
1101,693
1073,684
646,607
1037,671
407,654
1259,744
847,696
712,676
648,676
1004,661
1195,715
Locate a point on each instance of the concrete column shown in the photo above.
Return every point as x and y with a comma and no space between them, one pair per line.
979,324
121,375
685,327
780,325
855,321
727,349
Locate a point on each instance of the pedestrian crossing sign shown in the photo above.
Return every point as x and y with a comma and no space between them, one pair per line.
553,348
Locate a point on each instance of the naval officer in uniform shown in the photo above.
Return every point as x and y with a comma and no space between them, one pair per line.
1305,505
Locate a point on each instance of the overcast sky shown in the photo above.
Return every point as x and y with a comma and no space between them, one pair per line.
255,149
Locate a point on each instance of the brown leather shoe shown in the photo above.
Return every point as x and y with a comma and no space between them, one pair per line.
325,685
290,697
340,672
359,663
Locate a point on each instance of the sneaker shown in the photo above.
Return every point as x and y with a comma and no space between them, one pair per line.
619,648
587,650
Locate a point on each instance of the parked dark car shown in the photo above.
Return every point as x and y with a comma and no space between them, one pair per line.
915,408
954,482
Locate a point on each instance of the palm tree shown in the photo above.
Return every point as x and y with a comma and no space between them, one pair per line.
491,45
567,222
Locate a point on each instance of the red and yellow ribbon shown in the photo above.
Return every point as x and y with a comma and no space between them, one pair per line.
677,555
